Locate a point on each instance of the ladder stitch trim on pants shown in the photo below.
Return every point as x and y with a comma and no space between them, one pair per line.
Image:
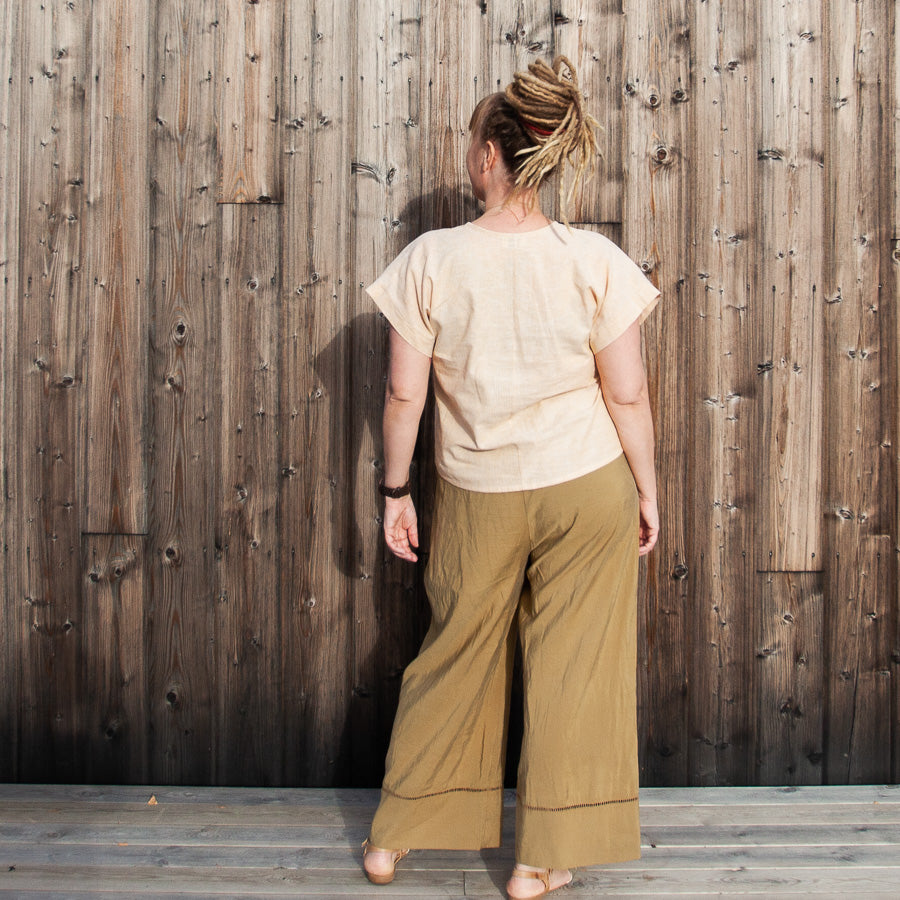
574,805
470,790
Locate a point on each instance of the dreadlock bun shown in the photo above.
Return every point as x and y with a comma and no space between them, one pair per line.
550,107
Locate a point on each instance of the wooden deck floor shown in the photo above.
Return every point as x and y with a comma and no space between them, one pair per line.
74,841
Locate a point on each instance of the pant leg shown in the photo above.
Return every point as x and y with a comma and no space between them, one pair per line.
443,784
577,797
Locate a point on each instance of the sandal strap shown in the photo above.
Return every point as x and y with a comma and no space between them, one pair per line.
396,855
543,874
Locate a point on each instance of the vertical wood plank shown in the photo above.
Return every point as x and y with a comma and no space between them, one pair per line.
249,66
116,260
590,34
185,395
387,216
858,682
858,414
790,669
51,620
893,391
790,257
656,231
315,499
456,85
115,660
722,392
248,641
10,552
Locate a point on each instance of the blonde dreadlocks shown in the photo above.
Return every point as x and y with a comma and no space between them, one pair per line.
551,107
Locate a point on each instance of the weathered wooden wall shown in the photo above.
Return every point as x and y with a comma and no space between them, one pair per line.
194,193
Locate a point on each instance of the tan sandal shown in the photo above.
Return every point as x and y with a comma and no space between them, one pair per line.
544,876
376,877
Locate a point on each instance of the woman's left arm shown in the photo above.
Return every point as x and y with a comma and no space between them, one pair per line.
404,400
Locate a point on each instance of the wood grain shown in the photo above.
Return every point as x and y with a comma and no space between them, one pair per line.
247,639
859,496
251,42
590,34
154,303
11,124
387,182
788,296
315,482
655,233
824,842
115,660
114,447
724,338
790,666
892,389
185,396
49,619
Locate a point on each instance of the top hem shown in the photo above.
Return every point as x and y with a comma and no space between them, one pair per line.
526,485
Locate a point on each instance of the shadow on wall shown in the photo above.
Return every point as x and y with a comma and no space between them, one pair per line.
352,368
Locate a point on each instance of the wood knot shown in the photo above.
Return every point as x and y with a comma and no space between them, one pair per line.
680,572
173,555
661,155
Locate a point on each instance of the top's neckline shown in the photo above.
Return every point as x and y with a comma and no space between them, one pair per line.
542,230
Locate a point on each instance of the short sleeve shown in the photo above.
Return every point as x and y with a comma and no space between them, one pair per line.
403,293
629,296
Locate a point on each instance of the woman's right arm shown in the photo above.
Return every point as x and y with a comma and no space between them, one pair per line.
624,385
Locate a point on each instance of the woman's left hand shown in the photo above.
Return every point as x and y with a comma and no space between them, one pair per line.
649,528
401,527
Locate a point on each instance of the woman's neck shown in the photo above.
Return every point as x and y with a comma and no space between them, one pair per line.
501,215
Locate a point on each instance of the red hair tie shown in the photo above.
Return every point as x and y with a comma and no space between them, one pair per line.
535,128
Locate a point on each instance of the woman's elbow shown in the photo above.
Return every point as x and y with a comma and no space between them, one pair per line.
403,396
631,393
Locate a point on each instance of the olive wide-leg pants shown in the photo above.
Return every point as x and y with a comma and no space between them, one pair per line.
559,566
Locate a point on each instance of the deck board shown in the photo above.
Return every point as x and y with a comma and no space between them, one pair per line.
71,841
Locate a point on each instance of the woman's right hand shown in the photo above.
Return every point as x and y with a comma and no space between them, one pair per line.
649,527
401,527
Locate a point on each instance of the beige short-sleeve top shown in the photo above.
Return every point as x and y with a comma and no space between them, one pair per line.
512,322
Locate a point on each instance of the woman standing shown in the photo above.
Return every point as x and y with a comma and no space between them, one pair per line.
546,497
